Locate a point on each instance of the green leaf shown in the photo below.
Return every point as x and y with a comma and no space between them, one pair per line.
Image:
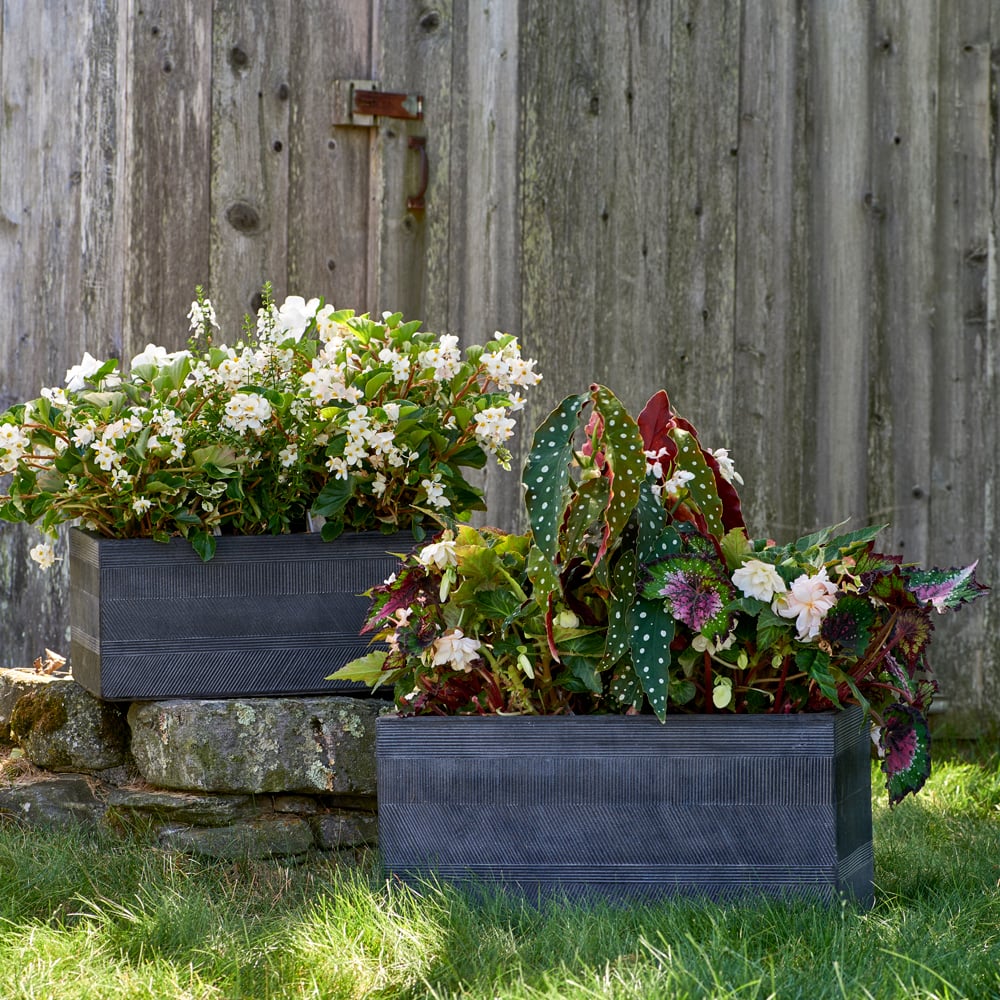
203,542
334,496
366,669
375,383
816,663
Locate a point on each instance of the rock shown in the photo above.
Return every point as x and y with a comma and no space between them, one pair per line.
56,801
336,830
60,726
277,836
316,745
179,807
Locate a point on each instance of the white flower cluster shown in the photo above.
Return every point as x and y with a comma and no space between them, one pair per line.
808,600
14,445
247,411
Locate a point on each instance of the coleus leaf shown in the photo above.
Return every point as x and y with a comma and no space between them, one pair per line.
906,743
945,589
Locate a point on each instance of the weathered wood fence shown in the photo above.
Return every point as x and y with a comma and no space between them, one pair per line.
785,213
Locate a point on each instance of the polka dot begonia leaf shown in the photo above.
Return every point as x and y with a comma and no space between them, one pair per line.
652,633
546,472
702,486
623,449
624,689
620,610
584,517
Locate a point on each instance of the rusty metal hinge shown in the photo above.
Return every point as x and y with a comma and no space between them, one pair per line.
360,103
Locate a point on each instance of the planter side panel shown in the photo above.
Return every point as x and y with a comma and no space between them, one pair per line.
268,615
628,807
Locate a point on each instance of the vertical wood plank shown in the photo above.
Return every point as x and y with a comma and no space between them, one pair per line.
413,54
168,145
703,90
840,259
42,143
769,437
904,179
250,150
330,194
963,522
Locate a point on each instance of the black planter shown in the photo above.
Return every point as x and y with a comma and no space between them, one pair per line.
268,615
626,807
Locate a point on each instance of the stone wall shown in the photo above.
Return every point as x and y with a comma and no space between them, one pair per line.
224,778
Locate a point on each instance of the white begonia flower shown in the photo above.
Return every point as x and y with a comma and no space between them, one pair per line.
808,601
82,436
289,455
391,411
106,455
153,354
337,466
726,467
77,376
493,427
456,649
758,579
441,554
246,411
141,505
675,484
294,316
435,492
43,554
444,359
56,395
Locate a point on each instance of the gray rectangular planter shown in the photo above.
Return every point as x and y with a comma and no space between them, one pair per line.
268,615
626,807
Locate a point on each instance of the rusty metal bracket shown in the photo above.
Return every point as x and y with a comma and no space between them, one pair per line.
360,103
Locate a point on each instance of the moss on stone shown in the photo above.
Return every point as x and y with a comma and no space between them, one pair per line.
36,712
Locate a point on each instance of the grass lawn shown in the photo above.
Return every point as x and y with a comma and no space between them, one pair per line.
86,915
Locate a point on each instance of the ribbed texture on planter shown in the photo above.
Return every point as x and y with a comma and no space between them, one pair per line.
268,615
627,807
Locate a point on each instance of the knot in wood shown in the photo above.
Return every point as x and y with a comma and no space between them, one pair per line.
242,217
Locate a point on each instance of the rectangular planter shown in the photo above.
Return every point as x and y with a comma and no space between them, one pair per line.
625,807
268,615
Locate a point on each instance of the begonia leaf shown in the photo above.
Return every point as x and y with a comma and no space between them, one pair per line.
946,589
906,743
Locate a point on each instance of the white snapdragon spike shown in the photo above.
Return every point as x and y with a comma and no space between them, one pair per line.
294,316
726,467
456,649
77,376
43,554
493,427
435,492
808,601
439,554
202,314
758,579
